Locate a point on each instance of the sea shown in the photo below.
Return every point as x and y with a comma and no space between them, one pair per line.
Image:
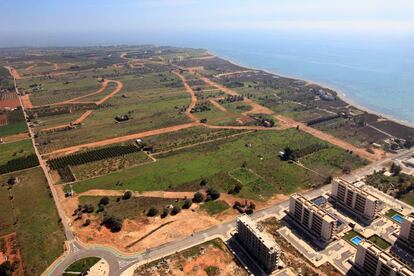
372,71
375,73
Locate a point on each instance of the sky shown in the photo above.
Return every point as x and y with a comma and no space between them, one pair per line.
26,21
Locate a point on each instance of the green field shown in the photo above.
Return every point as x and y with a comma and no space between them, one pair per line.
130,208
82,265
215,207
13,128
148,101
185,168
39,234
97,168
15,150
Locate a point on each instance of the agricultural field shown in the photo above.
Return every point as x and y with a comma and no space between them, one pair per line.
15,123
37,226
149,104
187,167
17,156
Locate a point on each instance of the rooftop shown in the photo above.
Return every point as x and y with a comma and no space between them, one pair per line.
356,188
387,258
266,239
315,208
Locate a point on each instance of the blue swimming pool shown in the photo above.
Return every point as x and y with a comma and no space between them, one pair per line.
356,240
398,218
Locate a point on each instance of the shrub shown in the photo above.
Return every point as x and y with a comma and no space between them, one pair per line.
87,222
127,195
113,223
165,212
198,197
237,188
152,212
175,210
104,201
187,204
213,193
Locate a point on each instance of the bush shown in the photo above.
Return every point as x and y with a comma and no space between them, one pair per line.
152,212
187,204
104,201
88,208
86,223
127,195
237,188
175,210
203,182
113,223
165,212
198,197
213,193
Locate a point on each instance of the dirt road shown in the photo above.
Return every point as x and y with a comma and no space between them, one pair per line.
193,97
115,140
26,101
13,72
331,139
219,106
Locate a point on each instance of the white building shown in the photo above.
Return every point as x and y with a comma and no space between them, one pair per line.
372,261
317,221
260,244
354,199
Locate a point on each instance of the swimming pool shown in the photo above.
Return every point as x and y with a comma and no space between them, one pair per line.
356,240
398,218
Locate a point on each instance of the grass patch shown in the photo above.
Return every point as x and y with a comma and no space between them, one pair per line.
82,265
380,242
39,234
215,207
130,208
350,235
244,176
14,150
13,128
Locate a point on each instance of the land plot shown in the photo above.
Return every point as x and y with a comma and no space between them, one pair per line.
209,258
38,229
190,165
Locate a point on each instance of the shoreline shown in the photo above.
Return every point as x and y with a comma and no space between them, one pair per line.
339,92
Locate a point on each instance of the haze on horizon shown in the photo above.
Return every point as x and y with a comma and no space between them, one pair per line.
47,22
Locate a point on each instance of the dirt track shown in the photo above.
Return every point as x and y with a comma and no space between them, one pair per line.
13,72
115,140
219,106
331,139
26,101
193,97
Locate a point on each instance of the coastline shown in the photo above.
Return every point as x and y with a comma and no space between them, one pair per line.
341,94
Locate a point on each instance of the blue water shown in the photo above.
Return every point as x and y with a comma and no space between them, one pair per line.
375,73
398,218
356,240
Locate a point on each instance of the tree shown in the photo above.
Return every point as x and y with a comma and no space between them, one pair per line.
198,197
252,205
213,193
165,212
187,204
89,208
288,154
127,195
113,223
237,188
175,210
203,182
395,169
152,212
328,180
409,143
104,201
